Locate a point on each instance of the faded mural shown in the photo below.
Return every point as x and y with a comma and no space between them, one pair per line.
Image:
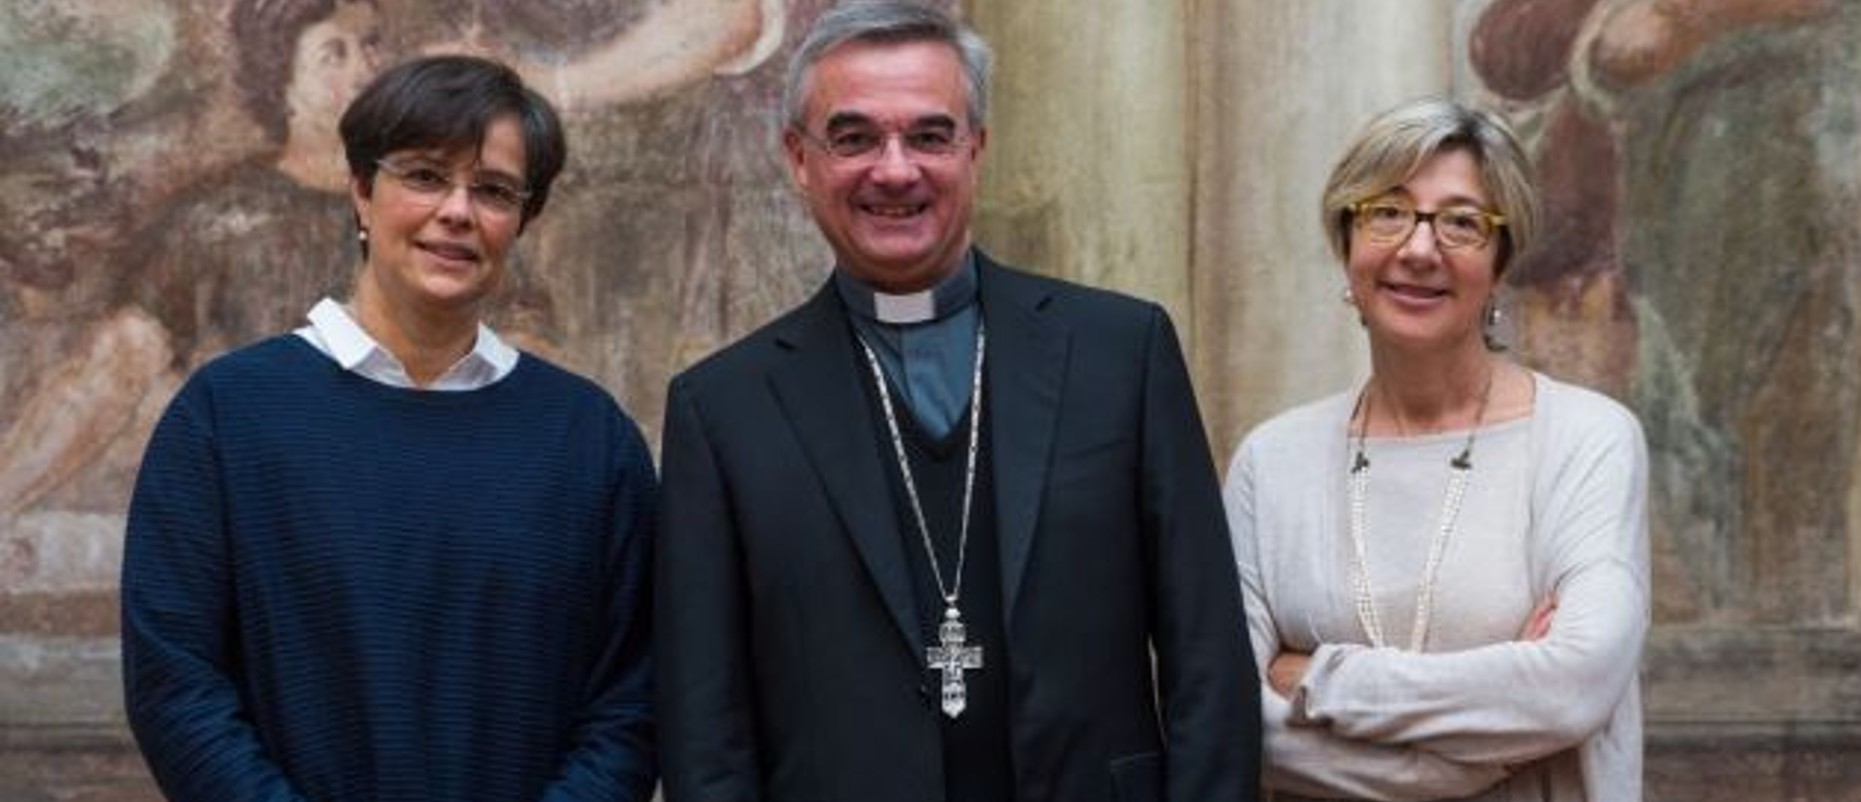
1703,166
1702,160
175,185
171,188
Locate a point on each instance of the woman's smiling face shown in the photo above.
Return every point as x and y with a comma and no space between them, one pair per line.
1413,294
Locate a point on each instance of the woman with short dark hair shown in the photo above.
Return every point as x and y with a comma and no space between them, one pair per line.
387,556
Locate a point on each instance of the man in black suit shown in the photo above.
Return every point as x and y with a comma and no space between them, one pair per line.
947,532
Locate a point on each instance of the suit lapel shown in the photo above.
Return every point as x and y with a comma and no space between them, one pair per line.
819,391
1026,370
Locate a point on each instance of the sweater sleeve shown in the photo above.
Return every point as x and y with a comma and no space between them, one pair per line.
612,757
1313,761
1517,701
178,622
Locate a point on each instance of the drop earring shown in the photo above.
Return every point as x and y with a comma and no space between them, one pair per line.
1489,333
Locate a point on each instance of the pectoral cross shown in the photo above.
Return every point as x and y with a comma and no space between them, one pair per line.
952,657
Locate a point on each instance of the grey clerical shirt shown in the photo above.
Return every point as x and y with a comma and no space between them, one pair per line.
925,341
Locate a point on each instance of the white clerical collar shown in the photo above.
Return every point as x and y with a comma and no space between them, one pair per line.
335,333
915,307
954,292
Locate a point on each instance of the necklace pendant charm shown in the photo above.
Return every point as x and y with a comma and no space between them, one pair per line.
952,656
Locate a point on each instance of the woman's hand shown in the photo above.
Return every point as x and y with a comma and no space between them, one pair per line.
1538,624
1286,670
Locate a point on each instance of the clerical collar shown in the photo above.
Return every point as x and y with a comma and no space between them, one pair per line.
955,292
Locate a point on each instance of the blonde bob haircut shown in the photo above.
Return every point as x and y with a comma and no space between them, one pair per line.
1394,145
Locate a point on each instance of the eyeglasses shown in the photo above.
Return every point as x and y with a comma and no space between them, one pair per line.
1388,222
866,143
430,185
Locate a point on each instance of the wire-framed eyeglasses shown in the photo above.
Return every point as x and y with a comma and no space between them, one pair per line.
430,185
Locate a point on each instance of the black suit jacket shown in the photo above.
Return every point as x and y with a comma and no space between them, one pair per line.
790,659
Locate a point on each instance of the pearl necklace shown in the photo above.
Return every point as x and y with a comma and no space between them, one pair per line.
1459,468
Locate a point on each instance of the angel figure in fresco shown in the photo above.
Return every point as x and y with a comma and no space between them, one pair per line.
1704,244
243,253
239,255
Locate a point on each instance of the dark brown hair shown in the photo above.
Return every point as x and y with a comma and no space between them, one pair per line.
447,103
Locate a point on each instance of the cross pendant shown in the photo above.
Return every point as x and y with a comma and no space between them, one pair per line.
952,658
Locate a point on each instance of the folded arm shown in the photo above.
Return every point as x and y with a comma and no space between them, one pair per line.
1518,701
1314,761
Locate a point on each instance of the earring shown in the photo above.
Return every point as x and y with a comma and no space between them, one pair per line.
1348,298
1489,332
361,235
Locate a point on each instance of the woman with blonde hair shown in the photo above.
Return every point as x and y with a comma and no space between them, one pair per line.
1445,567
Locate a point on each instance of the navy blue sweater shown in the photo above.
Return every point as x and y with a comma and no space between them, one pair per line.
338,590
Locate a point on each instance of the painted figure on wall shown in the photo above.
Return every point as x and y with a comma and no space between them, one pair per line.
239,255
244,253
598,53
55,93
1701,172
187,284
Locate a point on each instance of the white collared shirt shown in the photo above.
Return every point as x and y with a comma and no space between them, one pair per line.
338,336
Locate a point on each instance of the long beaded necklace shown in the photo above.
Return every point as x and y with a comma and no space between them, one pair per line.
1459,469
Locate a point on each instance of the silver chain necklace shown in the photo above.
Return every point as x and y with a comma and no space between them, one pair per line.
1459,469
951,656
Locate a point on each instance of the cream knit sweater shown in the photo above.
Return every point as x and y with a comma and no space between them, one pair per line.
1556,503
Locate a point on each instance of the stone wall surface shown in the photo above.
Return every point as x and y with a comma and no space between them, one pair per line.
1701,160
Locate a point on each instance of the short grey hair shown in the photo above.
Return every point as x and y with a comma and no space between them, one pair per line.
888,22
1395,144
